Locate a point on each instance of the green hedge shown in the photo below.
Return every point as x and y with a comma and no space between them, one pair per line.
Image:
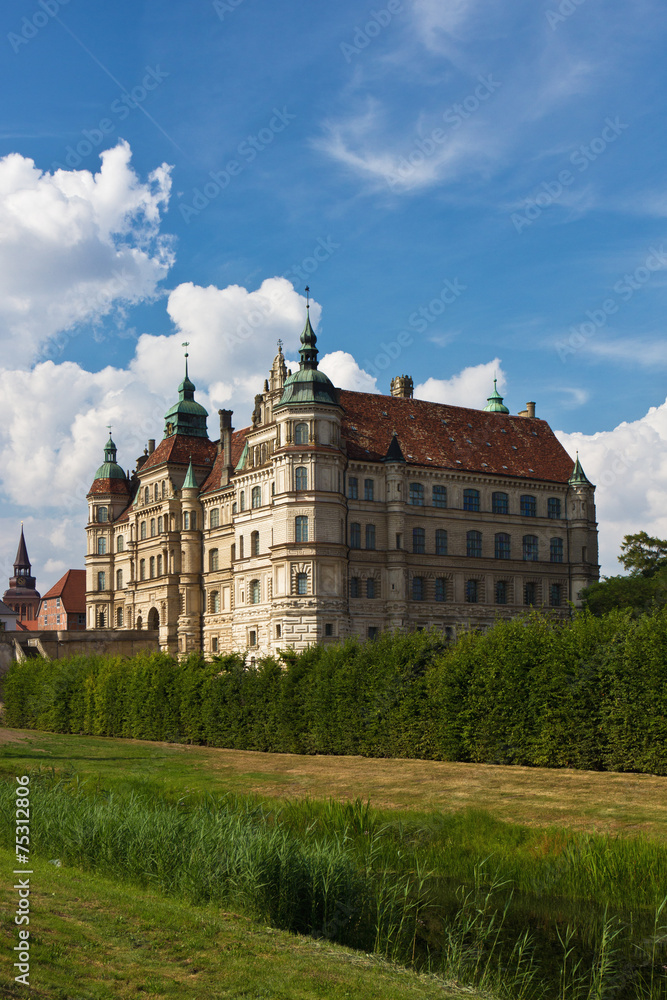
591,693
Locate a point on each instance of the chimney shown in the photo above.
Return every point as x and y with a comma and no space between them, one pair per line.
225,444
151,445
529,411
402,386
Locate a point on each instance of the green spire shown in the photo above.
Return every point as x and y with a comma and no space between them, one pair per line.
308,385
578,477
494,403
187,416
308,350
190,483
110,468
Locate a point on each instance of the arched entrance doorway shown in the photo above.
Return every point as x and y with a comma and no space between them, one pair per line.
153,620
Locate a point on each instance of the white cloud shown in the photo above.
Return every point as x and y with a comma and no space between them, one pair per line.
74,244
346,373
628,465
471,387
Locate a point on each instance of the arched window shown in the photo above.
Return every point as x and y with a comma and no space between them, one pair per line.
155,491
160,525
254,592
301,529
256,496
474,544
242,500
528,505
500,503
186,520
147,495
472,592
440,542
416,495
419,540
254,543
301,434
240,546
101,546
215,518
102,513
417,588
119,579
151,567
142,529
471,499
301,478
355,535
152,527
370,536
302,583
235,508
164,489
159,565
120,544
370,587
502,546
213,561
119,617
530,548
142,569
556,550
214,602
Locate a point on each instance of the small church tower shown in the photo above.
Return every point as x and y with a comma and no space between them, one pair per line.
21,595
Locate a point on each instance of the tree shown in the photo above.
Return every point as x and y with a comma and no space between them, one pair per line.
642,555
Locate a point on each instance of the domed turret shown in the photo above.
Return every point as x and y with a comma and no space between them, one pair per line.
494,402
308,385
187,416
110,469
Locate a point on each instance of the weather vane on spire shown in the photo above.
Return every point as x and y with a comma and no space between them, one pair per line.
109,429
280,345
307,290
186,343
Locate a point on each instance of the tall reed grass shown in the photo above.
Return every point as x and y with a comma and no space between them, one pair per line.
339,871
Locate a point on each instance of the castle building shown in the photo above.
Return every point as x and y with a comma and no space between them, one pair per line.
336,513
21,596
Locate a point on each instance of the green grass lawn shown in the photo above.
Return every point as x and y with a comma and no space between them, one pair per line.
98,940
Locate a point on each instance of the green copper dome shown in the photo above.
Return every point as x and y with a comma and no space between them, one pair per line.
110,468
308,385
187,416
494,402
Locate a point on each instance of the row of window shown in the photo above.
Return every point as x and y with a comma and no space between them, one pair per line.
502,543
159,492
500,502
473,591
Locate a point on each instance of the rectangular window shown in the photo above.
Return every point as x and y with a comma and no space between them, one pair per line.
416,495
279,631
352,488
370,587
369,489
440,542
215,521
553,507
474,544
370,536
214,644
555,595
373,632
530,548
500,503
439,496
556,550
417,588
529,593
419,540
301,529
354,586
502,546
355,535
399,540
471,500
528,506
472,592
328,630
101,580
57,602
57,619
252,637
501,592
213,560
256,497
440,588
302,583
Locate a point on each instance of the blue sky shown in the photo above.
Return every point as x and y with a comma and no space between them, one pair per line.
488,177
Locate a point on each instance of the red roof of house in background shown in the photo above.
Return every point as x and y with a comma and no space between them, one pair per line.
437,435
71,589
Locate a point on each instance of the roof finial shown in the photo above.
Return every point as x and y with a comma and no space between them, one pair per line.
186,344
280,346
307,290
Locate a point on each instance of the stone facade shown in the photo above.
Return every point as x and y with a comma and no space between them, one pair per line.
334,514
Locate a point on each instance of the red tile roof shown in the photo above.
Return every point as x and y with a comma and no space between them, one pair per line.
437,435
238,444
71,589
179,448
116,487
